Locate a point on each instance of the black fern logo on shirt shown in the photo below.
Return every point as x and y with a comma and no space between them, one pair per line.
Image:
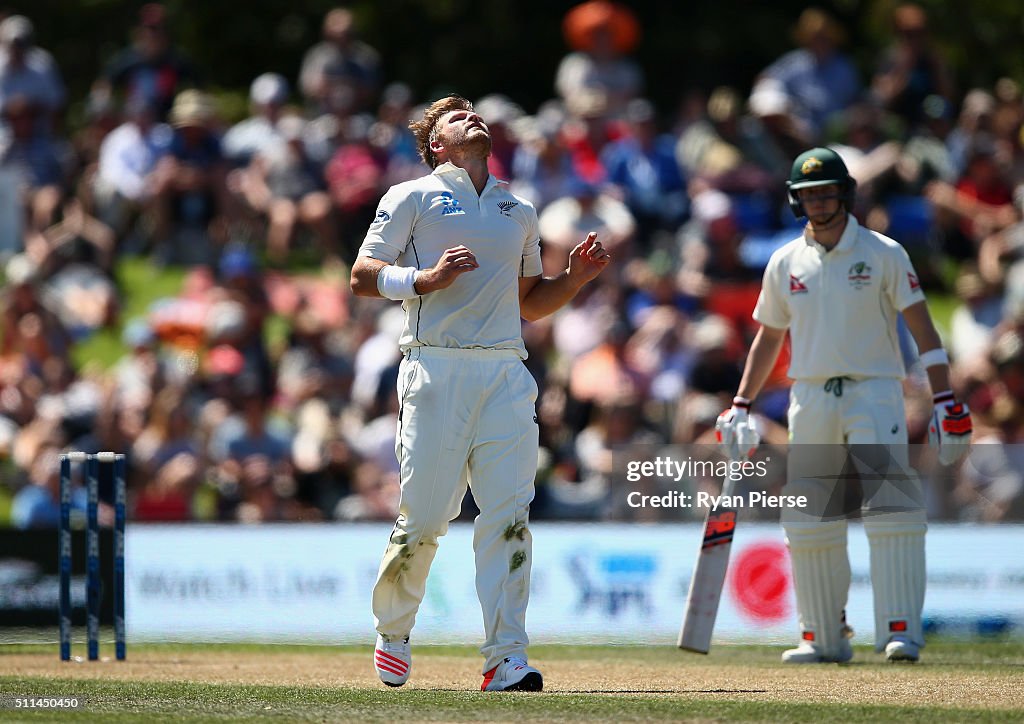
504,207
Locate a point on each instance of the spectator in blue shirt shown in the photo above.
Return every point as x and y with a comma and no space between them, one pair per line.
818,77
643,165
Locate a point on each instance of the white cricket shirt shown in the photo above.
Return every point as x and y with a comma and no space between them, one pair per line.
840,306
417,220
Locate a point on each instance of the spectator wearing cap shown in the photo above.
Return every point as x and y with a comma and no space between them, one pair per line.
259,132
124,186
911,69
151,68
189,181
642,166
284,184
30,72
818,77
340,74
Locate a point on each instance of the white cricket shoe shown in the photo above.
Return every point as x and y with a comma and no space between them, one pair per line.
900,648
513,674
808,653
393,660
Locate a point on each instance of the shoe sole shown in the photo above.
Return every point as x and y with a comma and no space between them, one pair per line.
530,682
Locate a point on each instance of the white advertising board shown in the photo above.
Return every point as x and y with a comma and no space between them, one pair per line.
591,583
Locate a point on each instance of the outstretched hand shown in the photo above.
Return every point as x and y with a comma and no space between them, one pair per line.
587,260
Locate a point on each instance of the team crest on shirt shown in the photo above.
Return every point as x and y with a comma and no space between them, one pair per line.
796,286
448,203
859,275
915,285
505,207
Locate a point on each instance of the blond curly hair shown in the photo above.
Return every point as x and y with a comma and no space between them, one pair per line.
425,129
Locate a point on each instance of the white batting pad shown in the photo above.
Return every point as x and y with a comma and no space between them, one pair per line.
821,577
897,579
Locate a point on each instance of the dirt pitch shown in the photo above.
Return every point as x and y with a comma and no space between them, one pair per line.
963,682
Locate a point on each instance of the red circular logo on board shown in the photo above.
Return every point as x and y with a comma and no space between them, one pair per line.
760,581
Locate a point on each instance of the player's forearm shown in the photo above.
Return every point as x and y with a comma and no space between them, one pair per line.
548,296
364,276
763,352
929,345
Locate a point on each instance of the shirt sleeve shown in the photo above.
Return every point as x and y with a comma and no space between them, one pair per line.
772,309
902,284
391,229
530,265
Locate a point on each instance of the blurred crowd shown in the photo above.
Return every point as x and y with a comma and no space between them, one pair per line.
224,420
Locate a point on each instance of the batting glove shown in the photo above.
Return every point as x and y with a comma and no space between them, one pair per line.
736,431
950,428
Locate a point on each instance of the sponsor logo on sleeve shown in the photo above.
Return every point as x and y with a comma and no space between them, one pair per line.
382,217
796,286
915,285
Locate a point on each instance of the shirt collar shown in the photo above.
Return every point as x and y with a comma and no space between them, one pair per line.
450,168
846,242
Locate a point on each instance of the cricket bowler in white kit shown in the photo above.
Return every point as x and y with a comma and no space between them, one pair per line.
838,289
463,254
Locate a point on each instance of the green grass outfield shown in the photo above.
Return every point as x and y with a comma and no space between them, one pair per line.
955,682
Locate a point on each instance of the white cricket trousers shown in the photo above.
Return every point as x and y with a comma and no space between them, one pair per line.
467,417
868,415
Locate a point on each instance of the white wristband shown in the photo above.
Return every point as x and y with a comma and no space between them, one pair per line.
397,282
934,357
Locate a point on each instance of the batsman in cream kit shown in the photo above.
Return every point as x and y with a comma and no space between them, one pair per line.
837,290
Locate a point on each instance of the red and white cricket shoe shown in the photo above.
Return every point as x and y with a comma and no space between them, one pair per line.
513,674
393,660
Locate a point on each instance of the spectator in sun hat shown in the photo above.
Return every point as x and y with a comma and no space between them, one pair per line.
190,180
259,132
152,67
601,34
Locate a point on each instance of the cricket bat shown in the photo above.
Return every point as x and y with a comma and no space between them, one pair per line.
708,577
